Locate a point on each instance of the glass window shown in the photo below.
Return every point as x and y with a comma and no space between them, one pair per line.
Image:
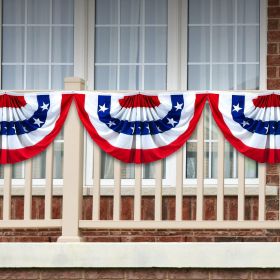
37,53
223,54
130,53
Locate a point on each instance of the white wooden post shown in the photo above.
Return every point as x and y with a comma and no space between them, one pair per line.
72,169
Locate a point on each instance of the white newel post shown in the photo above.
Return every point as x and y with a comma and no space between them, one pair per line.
72,169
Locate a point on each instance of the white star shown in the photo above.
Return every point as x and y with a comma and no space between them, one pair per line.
14,128
103,108
266,128
148,128
178,106
37,121
45,106
236,108
24,129
111,123
171,121
159,129
244,123
132,128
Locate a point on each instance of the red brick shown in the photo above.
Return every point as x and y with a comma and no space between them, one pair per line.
87,208
271,274
273,84
61,273
147,208
273,24
273,2
210,207
106,208
273,12
272,169
138,238
230,208
168,208
273,60
26,274
192,274
38,207
251,208
272,180
189,208
108,273
272,48
127,207
271,72
148,273
273,36
57,207
222,274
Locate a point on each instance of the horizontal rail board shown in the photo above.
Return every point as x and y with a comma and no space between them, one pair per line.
179,224
31,223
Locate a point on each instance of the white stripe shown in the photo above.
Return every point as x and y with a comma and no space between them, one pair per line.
32,138
140,141
253,140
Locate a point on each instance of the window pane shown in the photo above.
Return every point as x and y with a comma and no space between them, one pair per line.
13,11
155,77
12,77
199,44
248,76
248,11
59,72
155,44
248,38
62,51
63,11
106,12
105,77
38,44
130,11
130,45
39,166
191,160
156,11
13,44
130,77
199,11
223,77
106,44
223,11
37,77
223,44
38,11
198,77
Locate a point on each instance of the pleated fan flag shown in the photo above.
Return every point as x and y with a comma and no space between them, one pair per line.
250,122
29,123
140,128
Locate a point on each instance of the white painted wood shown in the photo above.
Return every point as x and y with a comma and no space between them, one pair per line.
137,192
7,192
96,181
117,190
140,255
179,185
200,170
241,187
72,169
28,190
220,189
262,186
158,191
49,182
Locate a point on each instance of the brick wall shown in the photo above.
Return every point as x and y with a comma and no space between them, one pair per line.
273,66
147,274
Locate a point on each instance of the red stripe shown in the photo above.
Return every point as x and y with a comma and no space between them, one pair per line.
139,100
272,100
10,101
260,155
16,155
137,155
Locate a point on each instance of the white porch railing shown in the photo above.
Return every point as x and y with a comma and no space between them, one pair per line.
72,190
